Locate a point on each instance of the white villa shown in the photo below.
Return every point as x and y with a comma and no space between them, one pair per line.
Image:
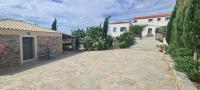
118,28
152,23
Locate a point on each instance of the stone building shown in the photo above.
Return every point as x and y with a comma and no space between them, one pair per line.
23,42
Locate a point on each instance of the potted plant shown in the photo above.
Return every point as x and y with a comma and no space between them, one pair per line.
160,48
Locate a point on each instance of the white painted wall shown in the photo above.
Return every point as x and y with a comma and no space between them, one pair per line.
154,24
118,26
162,22
145,31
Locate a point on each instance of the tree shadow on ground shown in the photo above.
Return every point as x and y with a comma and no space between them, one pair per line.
26,66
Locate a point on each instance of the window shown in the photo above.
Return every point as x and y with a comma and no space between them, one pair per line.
158,19
167,18
123,29
135,21
157,30
150,20
114,29
149,30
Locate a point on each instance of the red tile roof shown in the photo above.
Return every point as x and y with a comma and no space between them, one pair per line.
119,22
23,26
153,16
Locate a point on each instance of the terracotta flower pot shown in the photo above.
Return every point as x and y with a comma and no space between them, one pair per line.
160,49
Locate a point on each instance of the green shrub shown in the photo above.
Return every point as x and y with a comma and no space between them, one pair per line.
115,42
79,33
189,66
95,41
88,43
99,44
170,49
137,30
178,52
126,40
182,52
109,41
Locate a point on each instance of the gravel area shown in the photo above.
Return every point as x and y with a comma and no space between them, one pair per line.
140,67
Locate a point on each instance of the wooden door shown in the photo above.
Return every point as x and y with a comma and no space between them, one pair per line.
28,48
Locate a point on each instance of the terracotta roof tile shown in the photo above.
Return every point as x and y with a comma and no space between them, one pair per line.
24,26
119,22
153,16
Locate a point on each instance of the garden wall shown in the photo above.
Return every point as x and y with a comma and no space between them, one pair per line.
9,50
181,80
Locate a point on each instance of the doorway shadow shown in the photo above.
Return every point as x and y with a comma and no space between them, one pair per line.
29,65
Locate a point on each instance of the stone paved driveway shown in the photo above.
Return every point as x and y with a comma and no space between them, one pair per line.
137,68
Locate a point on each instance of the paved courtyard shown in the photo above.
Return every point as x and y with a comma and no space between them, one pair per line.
140,67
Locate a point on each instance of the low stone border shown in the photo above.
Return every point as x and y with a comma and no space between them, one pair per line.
181,80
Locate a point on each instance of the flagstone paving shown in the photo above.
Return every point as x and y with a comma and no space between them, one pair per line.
137,68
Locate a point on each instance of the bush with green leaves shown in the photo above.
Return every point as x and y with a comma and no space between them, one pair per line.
170,49
115,42
80,34
94,39
88,43
137,30
110,41
126,40
99,44
184,62
182,52
189,66
178,52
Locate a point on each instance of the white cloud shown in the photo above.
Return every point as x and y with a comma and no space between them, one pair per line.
79,13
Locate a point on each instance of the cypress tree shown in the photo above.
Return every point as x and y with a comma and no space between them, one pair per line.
191,26
105,31
54,25
170,25
105,26
177,24
184,26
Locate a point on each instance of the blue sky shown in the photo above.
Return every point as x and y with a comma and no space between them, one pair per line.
72,14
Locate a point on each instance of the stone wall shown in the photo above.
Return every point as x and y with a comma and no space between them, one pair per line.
9,50
182,82
54,44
